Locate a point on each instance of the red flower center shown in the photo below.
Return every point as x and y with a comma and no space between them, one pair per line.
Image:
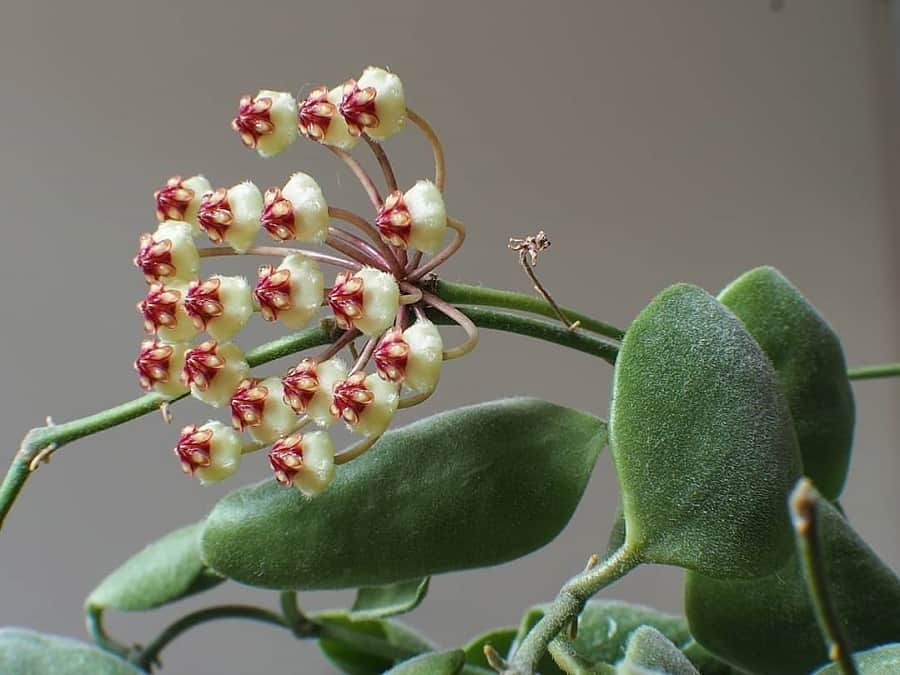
351,397
300,385
173,199
391,356
247,404
315,113
286,458
152,363
193,448
346,299
154,258
394,221
278,216
215,216
201,364
253,120
358,107
158,308
202,302
273,291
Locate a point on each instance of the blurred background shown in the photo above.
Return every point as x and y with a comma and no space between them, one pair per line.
655,142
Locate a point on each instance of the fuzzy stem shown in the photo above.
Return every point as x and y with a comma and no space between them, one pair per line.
872,372
804,502
458,317
389,178
465,294
436,148
365,226
280,252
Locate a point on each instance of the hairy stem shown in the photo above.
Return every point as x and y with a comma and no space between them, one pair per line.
873,372
804,502
389,178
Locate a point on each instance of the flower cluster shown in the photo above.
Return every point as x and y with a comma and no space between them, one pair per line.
376,295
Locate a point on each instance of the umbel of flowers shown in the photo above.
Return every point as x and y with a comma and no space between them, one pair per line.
376,297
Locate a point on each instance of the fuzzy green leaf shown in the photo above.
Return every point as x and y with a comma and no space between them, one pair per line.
650,650
378,602
436,663
165,571
733,618
702,440
500,639
809,360
468,488
27,652
884,660
393,642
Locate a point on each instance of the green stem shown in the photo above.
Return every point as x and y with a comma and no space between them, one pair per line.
571,662
150,654
804,502
465,294
567,606
95,628
872,372
536,328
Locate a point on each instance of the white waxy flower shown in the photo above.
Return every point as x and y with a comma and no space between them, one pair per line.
169,253
305,461
413,357
308,387
374,104
231,216
213,371
164,313
416,218
366,403
179,199
267,122
367,300
211,452
318,118
259,407
292,292
220,305
298,211
159,367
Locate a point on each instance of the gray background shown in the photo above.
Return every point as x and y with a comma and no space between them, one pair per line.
655,141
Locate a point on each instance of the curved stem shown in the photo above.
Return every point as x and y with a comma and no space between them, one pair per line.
459,317
356,450
365,355
338,243
465,294
458,239
389,178
365,226
361,175
414,399
411,293
346,338
436,148
151,653
280,252
872,372
94,624
804,502
369,253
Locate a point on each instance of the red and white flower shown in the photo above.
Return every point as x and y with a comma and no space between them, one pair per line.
258,406
211,452
169,253
374,104
267,122
367,300
232,216
292,292
159,367
305,461
366,403
179,199
297,211
213,371
220,305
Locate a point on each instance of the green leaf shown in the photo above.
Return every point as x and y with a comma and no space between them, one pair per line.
705,662
368,647
27,652
604,628
884,660
165,571
468,488
435,663
500,639
650,650
809,360
733,618
702,440
375,602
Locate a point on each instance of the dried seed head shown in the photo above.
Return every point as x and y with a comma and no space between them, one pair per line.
159,367
180,198
304,461
169,253
391,356
211,452
291,292
232,216
220,305
213,371
300,385
267,122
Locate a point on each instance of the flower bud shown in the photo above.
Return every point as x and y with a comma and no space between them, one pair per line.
318,119
214,371
159,368
299,211
267,122
413,357
374,104
211,452
417,218
164,313
179,199
308,387
259,407
169,253
292,292
366,403
220,305
231,216
305,461
367,300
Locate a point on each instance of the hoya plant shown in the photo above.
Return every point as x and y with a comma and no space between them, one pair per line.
730,426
